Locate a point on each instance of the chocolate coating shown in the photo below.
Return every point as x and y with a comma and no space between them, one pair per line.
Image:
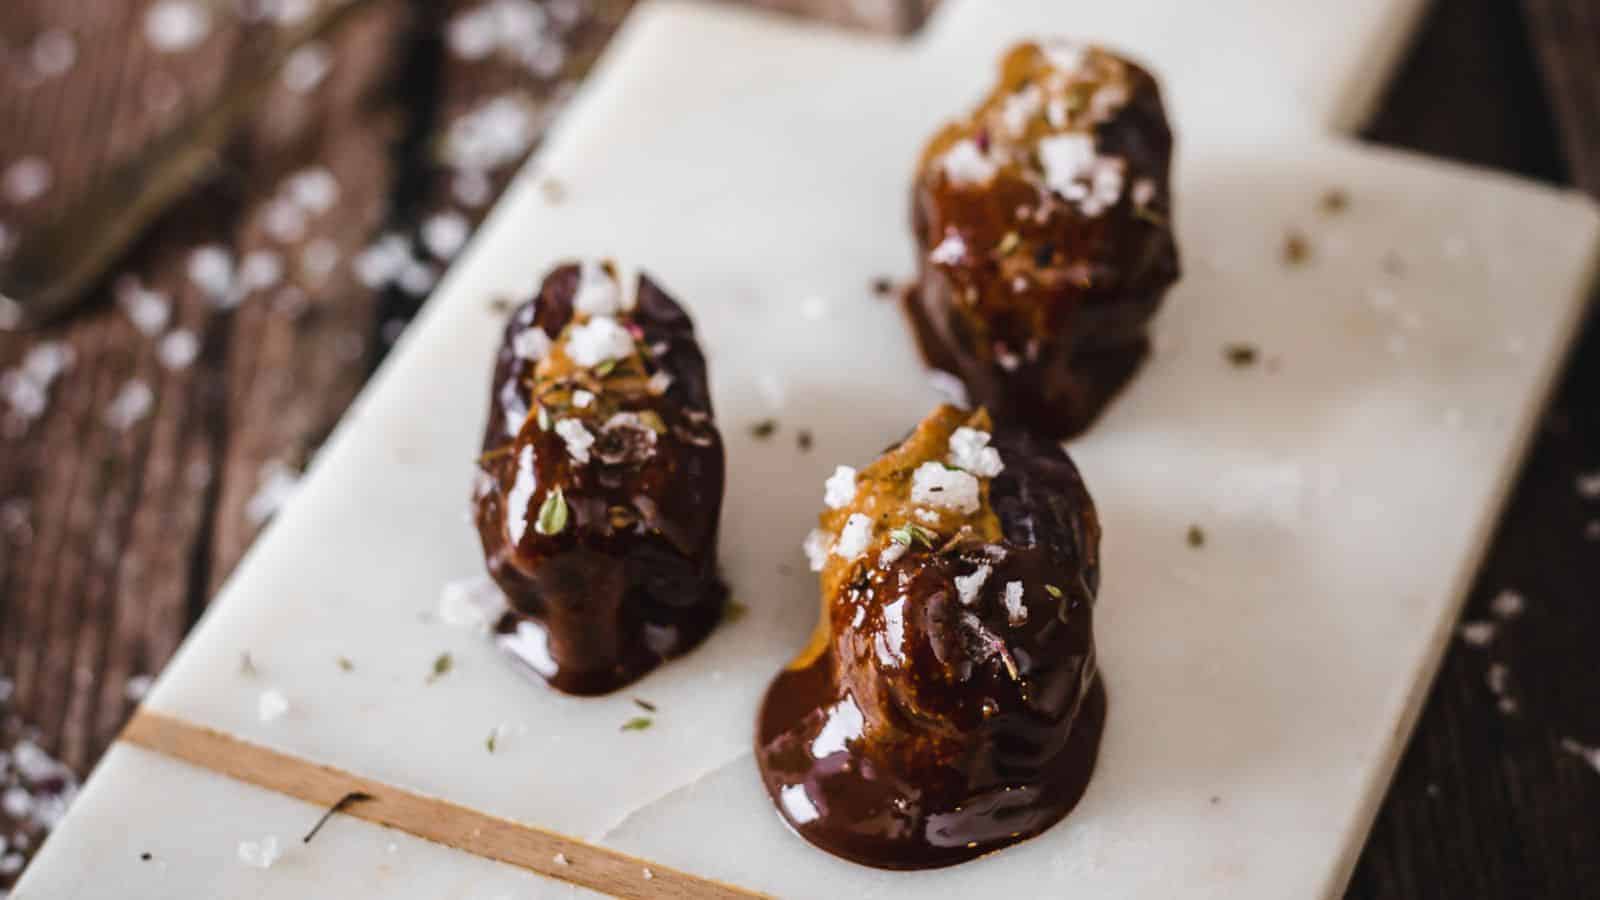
629,578
930,721
1043,222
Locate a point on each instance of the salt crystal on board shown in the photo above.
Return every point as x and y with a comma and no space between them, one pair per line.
210,269
137,687
1477,634
318,259
177,350
130,405
147,309
1508,604
26,180
473,603
260,270
53,52
176,25
1588,485
271,705
444,234
260,854
306,67
314,188
276,483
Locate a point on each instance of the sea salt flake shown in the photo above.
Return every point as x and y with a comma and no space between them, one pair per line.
271,705
283,220
968,586
970,450
1508,604
577,438
172,26
854,537
496,133
948,252
817,545
136,687
26,180
381,263
148,310
306,67
210,269
560,859
178,350
1477,633
315,189
950,387
892,553
473,603
934,485
275,484
417,277
260,854
1016,613
1497,677
54,51
130,405
444,234
598,340
471,188
840,488
260,270
967,166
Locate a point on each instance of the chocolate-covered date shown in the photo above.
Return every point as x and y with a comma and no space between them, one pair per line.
1043,222
601,482
948,703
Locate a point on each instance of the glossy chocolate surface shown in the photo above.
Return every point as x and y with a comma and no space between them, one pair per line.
1043,222
930,720
628,579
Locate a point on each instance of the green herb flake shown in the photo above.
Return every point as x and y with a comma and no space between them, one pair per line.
1196,536
553,514
345,665
764,429
911,534
494,736
638,723
606,368
441,667
1053,591
1008,243
733,611
1335,201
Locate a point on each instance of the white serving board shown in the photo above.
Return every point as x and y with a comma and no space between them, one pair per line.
759,168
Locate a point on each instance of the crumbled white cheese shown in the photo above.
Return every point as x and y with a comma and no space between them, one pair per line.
582,399
1144,190
1016,613
935,485
967,166
949,251
598,340
648,874
271,705
137,687
597,293
260,854
840,488
970,450
577,438
816,547
968,586
854,537
658,384
926,515
531,344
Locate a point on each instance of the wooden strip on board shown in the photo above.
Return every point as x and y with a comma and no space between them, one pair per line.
440,821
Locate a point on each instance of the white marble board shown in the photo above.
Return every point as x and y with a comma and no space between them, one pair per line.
759,168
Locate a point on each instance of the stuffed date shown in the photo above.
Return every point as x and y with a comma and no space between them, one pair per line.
601,482
948,703
1043,222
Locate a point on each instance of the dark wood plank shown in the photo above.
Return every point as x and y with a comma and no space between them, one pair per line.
1566,39
1487,803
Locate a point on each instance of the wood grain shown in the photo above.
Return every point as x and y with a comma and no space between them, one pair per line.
112,541
526,847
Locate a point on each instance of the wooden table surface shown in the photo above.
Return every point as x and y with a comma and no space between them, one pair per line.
130,491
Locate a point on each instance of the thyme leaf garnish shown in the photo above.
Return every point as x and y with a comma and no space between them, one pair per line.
638,723
553,514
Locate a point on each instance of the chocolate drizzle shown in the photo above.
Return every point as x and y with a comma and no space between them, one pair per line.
626,576
930,721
